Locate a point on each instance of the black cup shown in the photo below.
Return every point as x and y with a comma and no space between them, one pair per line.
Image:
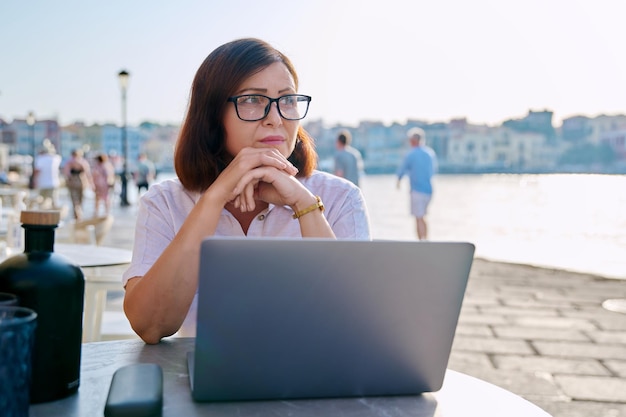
17,337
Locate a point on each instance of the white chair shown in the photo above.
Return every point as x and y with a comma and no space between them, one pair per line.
96,287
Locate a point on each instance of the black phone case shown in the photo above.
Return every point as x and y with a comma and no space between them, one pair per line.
136,390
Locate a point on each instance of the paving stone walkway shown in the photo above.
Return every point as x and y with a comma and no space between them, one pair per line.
543,334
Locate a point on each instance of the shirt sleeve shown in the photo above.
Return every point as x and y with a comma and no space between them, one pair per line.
153,233
402,169
348,215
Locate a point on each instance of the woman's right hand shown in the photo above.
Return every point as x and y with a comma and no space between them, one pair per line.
228,184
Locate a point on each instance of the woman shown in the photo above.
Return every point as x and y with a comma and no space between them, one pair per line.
103,179
245,166
77,177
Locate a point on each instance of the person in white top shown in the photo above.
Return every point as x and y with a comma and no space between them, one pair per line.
245,167
47,175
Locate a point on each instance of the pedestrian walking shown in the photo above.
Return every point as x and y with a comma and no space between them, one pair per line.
420,164
77,177
145,174
348,160
47,176
103,180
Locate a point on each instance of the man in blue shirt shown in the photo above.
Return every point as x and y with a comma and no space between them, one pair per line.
420,164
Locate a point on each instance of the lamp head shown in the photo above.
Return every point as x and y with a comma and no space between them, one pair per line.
123,77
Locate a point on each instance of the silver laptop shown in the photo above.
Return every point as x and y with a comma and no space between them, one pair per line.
318,318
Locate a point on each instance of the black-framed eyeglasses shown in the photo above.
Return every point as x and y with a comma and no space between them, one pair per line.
253,107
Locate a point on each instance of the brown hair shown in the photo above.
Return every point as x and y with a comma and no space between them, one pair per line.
200,154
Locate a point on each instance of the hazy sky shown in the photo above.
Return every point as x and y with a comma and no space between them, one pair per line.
433,60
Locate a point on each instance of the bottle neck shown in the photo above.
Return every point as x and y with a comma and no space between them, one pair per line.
38,238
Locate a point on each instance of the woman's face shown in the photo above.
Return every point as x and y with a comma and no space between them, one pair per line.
272,131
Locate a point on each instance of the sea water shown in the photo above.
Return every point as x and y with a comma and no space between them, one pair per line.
575,222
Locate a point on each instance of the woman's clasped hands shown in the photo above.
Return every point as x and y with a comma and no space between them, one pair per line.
261,174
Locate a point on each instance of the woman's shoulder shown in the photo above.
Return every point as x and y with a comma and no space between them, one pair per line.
320,176
327,180
170,185
171,189
328,185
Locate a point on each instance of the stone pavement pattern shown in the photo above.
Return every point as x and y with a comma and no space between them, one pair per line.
544,335
537,332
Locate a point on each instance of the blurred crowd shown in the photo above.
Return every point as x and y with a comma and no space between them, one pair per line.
83,173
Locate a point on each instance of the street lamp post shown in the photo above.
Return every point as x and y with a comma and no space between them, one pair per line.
123,78
30,120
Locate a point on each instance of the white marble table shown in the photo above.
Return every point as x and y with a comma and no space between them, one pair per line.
461,395
88,256
92,256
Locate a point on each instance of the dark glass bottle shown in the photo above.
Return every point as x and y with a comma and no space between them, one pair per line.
54,287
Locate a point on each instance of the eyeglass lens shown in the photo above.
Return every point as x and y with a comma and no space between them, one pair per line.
254,107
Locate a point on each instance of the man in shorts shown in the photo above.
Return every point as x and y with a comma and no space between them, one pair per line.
420,164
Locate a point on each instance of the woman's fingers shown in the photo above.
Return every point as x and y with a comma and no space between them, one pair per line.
248,196
270,185
250,158
253,176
